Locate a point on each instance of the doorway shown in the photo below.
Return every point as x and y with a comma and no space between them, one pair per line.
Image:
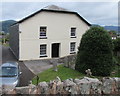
55,50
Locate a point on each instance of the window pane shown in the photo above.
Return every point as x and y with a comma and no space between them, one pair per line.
73,31
72,47
8,71
42,49
43,31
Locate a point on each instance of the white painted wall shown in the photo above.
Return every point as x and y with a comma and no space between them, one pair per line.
58,31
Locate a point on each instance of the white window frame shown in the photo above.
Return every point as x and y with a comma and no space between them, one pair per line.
43,52
72,47
73,31
43,31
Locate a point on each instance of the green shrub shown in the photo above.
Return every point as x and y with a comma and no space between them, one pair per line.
116,45
95,52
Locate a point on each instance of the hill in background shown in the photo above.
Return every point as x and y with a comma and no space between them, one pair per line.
115,28
5,25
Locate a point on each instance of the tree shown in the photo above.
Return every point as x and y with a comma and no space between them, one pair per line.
116,43
95,52
112,32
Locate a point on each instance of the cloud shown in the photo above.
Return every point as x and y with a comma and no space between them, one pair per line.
102,13
98,12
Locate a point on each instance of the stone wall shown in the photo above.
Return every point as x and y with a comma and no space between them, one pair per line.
68,61
86,85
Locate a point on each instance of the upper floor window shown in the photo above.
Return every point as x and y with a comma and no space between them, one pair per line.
73,32
43,32
72,47
43,49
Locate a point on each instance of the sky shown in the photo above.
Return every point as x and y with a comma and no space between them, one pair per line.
102,13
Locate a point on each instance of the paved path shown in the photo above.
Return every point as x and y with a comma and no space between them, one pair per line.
26,75
38,66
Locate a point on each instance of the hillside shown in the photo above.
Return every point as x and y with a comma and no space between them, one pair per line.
6,24
115,28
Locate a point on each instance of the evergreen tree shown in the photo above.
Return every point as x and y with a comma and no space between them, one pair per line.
95,52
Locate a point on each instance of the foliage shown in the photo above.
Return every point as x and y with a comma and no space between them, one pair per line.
5,38
116,70
2,33
112,32
95,52
63,73
116,43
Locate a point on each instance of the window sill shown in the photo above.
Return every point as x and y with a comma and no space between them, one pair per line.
43,56
43,38
72,52
73,37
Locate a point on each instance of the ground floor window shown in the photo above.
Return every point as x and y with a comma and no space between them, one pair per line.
43,49
72,47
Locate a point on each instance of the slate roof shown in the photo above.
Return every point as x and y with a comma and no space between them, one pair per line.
54,8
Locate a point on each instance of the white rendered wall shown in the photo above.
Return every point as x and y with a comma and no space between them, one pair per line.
58,31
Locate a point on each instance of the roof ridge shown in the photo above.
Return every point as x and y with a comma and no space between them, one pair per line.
54,7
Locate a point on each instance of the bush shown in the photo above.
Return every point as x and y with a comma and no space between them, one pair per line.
116,45
5,38
95,52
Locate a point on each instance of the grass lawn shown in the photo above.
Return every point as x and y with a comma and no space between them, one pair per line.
63,73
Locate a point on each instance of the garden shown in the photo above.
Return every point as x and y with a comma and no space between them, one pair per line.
97,51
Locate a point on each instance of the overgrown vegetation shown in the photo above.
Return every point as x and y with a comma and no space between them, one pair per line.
63,73
116,43
4,39
116,52
95,52
116,70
